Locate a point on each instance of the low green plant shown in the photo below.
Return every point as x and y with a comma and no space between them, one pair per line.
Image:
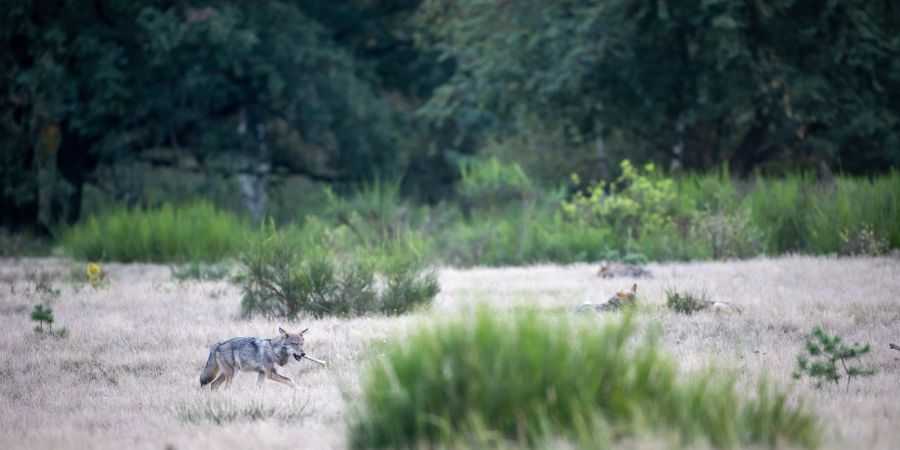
686,302
224,413
524,378
192,232
824,352
196,270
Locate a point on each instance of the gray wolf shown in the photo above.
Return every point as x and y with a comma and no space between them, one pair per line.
252,355
612,270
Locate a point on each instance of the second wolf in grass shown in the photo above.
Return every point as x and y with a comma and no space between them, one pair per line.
252,355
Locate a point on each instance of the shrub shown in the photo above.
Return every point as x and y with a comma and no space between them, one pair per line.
686,302
630,204
194,232
865,243
823,352
408,282
526,378
287,276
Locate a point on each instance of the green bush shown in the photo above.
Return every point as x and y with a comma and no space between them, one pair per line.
193,232
686,302
291,272
407,279
526,378
632,203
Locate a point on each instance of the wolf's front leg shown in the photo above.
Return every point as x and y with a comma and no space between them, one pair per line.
260,378
275,376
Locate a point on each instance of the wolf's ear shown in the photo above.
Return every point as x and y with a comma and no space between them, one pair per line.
282,332
304,331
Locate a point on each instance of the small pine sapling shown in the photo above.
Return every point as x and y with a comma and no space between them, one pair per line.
824,353
41,314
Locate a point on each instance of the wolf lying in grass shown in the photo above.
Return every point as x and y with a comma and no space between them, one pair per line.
252,355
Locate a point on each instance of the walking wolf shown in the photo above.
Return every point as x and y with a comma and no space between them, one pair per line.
252,355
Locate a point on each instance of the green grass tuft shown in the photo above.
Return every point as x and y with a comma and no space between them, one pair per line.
194,232
525,379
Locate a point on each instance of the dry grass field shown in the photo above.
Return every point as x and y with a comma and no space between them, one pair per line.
127,373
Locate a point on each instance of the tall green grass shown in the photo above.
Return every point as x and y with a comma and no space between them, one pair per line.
502,217
524,378
800,214
194,232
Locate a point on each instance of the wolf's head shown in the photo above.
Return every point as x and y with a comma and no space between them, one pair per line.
292,343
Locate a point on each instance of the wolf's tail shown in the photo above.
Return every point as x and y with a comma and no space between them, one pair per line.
209,372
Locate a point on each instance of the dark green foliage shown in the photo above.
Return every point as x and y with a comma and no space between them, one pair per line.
43,314
824,352
22,244
489,380
291,272
225,88
781,84
242,99
193,232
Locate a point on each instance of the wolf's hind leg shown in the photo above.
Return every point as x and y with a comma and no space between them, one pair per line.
275,376
260,378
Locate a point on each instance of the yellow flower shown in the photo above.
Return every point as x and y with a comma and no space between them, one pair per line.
93,272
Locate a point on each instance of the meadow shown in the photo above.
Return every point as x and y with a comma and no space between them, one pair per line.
126,372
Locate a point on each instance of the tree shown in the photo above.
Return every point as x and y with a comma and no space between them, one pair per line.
262,87
790,83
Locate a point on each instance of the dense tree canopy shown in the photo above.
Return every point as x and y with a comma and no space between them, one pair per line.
343,91
93,83
796,82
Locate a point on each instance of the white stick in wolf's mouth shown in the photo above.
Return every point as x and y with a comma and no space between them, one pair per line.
318,361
